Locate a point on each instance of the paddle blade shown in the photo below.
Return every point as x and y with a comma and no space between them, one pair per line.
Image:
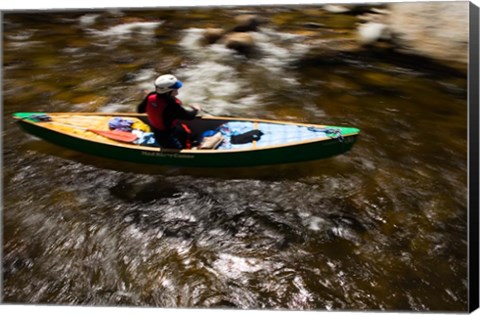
117,135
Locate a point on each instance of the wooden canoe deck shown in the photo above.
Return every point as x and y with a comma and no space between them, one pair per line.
83,122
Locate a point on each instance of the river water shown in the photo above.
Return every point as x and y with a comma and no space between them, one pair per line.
383,227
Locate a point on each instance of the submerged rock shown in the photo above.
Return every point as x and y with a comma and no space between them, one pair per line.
331,48
248,22
212,35
241,42
238,37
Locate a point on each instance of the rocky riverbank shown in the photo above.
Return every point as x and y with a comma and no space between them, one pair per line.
435,32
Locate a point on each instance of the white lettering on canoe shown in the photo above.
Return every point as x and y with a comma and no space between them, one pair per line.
169,155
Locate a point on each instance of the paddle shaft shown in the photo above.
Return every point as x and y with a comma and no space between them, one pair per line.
201,110
207,112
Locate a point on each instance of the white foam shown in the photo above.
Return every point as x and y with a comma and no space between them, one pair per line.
215,82
276,55
88,19
191,39
371,32
210,80
234,266
122,31
112,108
145,75
316,223
20,36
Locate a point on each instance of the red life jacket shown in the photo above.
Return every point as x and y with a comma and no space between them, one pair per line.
155,108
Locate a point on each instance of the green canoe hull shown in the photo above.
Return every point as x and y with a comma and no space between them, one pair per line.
226,158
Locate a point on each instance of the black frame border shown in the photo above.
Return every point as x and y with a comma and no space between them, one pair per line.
473,95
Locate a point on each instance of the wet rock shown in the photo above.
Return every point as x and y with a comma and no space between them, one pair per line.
128,77
131,19
375,15
383,11
437,30
241,42
212,35
327,48
248,22
371,18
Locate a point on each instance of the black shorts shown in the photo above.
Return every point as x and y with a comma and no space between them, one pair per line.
176,138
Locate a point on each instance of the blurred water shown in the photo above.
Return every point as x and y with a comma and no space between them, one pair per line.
383,227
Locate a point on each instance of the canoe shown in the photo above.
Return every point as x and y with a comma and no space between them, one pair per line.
275,142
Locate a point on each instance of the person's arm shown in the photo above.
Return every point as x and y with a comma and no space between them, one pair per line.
182,113
142,107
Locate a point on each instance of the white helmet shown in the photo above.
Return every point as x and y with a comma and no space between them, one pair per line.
166,83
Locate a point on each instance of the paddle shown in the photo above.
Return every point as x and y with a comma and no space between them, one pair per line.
117,135
207,112
202,110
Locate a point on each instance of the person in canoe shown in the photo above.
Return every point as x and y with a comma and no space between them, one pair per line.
164,110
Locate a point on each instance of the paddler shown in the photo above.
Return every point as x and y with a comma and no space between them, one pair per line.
164,110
